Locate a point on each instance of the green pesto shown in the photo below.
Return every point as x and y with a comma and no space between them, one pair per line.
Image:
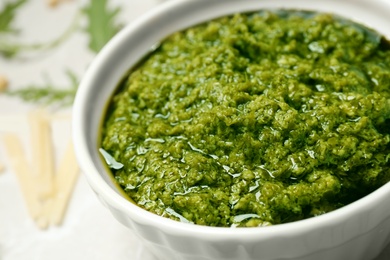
254,119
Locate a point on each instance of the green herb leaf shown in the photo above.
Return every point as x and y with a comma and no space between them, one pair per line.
7,15
102,26
111,162
10,49
48,94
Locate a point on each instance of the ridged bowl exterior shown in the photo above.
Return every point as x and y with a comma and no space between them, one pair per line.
359,237
358,231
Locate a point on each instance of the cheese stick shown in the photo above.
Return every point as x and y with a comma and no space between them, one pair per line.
43,219
21,168
65,178
43,158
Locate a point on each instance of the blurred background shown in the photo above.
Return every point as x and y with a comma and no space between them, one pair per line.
45,48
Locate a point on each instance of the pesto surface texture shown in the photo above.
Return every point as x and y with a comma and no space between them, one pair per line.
254,119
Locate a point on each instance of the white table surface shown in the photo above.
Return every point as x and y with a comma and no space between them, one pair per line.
88,231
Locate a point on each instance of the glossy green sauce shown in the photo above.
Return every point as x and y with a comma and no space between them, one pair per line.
254,119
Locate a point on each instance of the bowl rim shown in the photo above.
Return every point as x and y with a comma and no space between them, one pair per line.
101,187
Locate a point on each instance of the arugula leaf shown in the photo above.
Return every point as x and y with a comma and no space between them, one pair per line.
7,15
102,26
9,49
48,94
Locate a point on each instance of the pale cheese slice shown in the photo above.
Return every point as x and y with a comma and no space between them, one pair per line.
22,169
43,220
65,179
43,154
46,194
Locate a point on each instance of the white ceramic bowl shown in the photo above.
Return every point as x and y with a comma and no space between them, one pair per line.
357,231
